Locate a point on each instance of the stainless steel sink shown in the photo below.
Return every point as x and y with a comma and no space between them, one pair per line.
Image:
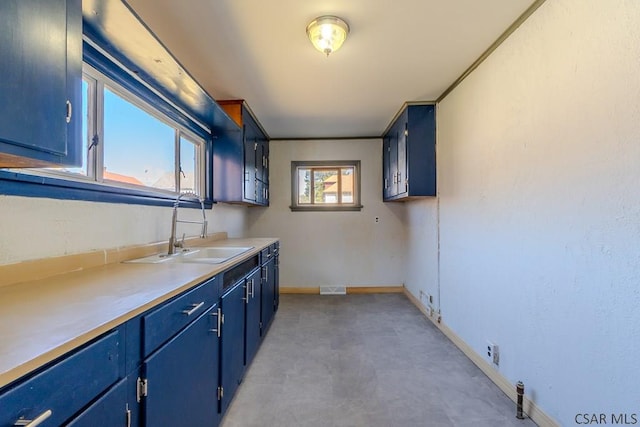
204,255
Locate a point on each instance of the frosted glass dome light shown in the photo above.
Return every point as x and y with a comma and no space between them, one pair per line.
327,33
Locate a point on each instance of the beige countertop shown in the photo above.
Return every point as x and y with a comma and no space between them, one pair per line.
43,319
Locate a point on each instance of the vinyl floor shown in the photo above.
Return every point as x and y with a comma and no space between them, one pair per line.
363,360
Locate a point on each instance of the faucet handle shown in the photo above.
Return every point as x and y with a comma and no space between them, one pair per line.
180,243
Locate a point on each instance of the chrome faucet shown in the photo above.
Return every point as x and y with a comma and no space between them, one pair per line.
173,244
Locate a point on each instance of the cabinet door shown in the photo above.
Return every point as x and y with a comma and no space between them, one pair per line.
250,147
402,132
268,294
228,166
182,377
111,409
253,327
259,192
393,161
40,88
386,167
232,342
276,279
62,389
265,160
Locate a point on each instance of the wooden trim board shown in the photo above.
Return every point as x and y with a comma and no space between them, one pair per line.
375,290
530,408
351,290
300,291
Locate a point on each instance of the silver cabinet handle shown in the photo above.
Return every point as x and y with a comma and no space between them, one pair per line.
36,421
252,282
194,308
69,111
219,317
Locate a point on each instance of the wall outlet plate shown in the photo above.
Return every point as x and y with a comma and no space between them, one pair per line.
493,353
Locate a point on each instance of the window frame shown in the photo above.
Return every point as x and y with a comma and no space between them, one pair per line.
356,205
99,69
103,82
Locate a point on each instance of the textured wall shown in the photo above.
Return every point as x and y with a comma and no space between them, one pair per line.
333,248
33,228
538,154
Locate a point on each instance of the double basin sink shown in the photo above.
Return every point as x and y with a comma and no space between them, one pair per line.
204,255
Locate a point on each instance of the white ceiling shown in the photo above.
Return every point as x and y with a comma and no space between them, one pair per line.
397,51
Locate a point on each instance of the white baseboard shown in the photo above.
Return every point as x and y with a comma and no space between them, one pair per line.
534,412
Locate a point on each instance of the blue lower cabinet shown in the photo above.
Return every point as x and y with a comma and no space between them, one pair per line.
178,364
232,304
61,390
268,293
276,276
163,322
253,311
179,385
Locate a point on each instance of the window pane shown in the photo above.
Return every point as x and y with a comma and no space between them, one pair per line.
188,159
326,186
347,185
304,186
138,148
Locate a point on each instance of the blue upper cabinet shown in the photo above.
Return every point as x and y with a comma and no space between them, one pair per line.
41,83
409,154
241,159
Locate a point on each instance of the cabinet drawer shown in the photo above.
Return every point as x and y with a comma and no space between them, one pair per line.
164,322
264,255
61,390
267,253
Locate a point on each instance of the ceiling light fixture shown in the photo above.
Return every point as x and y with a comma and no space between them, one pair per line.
327,33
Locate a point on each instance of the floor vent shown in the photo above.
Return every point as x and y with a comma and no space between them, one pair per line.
333,290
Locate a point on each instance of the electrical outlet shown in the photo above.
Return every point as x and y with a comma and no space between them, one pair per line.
493,353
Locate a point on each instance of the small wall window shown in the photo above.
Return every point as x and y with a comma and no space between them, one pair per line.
325,185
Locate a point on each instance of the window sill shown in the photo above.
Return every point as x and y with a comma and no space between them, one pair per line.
326,208
21,184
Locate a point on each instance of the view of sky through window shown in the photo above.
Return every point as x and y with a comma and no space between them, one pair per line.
138,148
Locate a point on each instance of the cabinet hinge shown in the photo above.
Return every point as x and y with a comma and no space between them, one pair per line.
220,393
128,412
142,389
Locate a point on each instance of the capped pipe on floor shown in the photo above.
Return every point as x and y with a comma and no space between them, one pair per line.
520,397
